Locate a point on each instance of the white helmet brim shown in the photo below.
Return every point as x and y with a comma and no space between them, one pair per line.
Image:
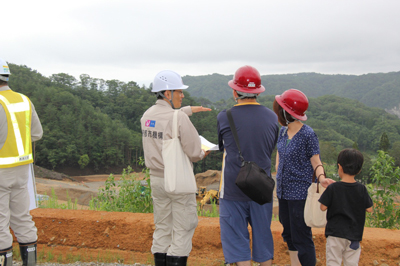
168,80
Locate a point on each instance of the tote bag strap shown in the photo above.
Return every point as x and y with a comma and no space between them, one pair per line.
175,125
234,133
315,175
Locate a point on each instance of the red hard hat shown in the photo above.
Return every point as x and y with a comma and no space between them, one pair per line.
247,79
294,102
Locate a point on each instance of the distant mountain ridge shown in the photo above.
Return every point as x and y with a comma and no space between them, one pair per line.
375,90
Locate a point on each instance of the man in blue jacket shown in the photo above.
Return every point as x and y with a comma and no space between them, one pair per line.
257,129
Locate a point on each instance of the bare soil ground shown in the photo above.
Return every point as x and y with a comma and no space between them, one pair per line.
67,235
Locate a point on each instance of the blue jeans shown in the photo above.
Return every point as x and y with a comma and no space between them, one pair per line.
235,216
296,234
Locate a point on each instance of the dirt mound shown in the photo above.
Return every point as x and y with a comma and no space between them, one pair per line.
45,173
208,178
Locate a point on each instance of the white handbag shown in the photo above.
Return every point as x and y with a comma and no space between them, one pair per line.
178,170
313,216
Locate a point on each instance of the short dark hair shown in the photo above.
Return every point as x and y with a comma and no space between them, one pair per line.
279,112
247,97
2,82
159,97
351,161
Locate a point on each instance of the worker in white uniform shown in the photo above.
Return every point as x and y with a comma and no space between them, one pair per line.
19,127
175,216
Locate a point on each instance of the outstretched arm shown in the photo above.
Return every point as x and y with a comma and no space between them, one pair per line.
196,109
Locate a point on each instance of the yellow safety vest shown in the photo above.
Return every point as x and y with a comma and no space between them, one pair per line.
17,149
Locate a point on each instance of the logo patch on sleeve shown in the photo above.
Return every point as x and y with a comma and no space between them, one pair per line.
150,123
6,70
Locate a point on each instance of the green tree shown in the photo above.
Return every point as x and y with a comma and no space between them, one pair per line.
364,176
395,152
328,152
355,145
83,161
384,190
384,143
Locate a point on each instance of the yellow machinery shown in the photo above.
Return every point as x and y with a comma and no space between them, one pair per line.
207,196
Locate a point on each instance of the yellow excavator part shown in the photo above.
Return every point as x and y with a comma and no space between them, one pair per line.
209,195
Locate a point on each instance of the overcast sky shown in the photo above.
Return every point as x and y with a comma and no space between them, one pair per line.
132,40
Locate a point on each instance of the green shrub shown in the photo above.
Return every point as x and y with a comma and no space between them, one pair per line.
52,202
83,161
383,191
206,213
125,195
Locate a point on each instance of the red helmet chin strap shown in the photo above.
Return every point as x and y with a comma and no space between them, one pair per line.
287,121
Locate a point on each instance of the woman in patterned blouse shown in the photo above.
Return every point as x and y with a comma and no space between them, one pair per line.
296,159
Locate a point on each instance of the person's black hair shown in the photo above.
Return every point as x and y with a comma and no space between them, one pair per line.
2,82
279,112
247,97
351,161
159,97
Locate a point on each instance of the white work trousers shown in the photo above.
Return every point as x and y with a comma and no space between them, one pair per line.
175,219
14,206
338,250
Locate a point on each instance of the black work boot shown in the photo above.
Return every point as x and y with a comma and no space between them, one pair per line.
6,256
160,259
28,253
176,261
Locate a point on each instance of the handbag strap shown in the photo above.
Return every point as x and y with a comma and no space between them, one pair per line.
315,175
234,133
175,124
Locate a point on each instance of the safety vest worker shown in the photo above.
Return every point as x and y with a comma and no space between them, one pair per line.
19,127
17,150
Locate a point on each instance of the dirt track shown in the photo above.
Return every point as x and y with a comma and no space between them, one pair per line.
82,189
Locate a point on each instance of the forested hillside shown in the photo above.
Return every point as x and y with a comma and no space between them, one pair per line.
375,90
90,122
94,124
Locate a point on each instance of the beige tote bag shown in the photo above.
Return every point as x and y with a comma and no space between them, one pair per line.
178,170
313,216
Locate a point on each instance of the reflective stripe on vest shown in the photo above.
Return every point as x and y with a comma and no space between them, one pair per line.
24,153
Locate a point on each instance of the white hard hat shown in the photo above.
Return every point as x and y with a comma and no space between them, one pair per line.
4,70
168,80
